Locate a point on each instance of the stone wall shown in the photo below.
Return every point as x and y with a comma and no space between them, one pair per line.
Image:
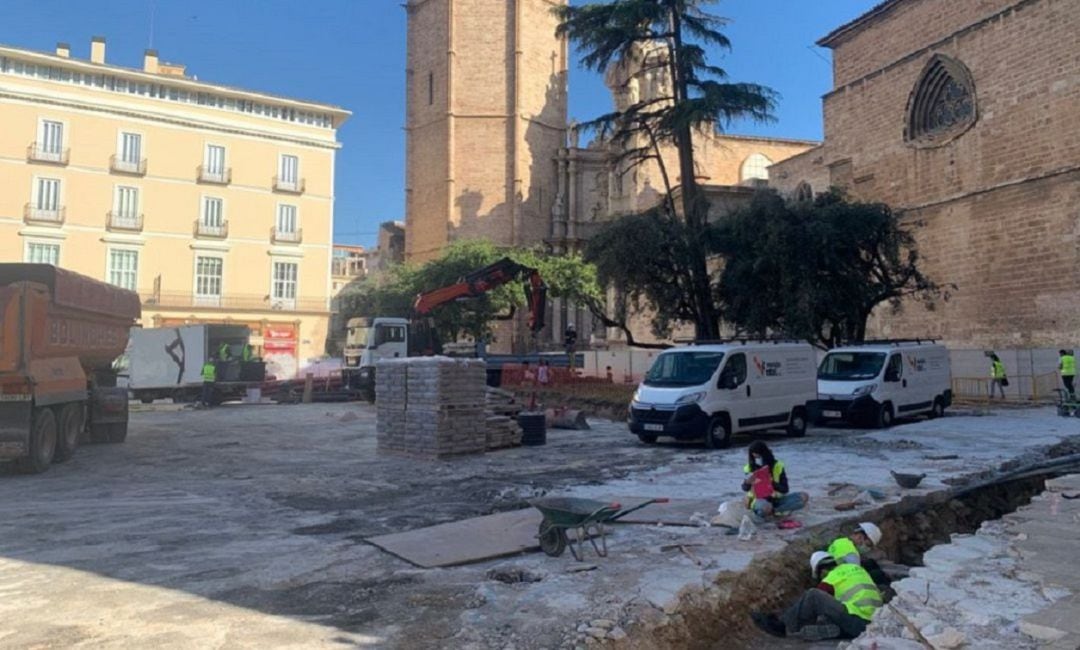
994,209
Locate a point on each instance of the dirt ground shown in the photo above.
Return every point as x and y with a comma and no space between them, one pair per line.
244,526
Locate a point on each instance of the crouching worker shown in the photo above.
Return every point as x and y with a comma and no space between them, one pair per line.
840,605
766,484
853,548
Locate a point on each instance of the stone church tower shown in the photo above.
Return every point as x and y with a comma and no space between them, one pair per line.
485,120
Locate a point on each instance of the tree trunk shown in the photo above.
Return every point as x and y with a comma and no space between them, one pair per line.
706,324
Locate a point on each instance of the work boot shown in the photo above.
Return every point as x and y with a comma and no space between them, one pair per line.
769,623
819,632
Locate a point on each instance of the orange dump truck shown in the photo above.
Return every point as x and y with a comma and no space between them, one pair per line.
59,334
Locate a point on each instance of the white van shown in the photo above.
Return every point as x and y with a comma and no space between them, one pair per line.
717,390
876,382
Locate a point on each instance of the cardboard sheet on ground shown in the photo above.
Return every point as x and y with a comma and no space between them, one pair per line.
513,532
465,541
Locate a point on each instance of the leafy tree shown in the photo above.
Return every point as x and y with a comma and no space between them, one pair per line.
817,270
700,98
394,293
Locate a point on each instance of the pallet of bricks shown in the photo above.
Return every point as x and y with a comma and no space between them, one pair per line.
431,407
501,419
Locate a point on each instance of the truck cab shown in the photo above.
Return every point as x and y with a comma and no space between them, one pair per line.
368,341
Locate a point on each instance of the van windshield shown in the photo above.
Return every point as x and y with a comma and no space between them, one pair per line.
683,368
851,366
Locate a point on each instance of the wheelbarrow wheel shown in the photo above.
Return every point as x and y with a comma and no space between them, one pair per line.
552,539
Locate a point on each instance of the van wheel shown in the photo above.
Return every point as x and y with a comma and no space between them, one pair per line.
42,443
884,418
69,428
718,435
647,438
938,409
796,428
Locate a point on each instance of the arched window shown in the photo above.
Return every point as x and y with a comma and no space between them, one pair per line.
755,166
942,104
804,192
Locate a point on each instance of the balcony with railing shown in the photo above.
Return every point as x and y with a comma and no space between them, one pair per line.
234,302
290,185
279,236
211,230
124,221
221,176
36,152
53,216
119,165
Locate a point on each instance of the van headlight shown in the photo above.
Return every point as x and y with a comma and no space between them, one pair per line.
862,391
637,396
692,398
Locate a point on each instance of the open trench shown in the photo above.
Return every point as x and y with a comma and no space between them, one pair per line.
718,617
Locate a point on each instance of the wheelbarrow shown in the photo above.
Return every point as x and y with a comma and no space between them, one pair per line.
1067,404
586,517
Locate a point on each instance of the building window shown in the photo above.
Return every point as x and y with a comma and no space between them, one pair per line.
430,88
213,215
43,253
208,273
286,219
284,289
804,193
289,170
124,268
755,167
130,148
48,195
127,202
215,160
942,104
52,137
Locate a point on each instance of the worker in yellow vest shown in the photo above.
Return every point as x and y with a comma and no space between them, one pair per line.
245,352
997,375
209,376
224,352
845,599
1067,368
775,497
852,549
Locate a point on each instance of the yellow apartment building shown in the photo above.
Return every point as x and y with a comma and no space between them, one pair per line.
214,203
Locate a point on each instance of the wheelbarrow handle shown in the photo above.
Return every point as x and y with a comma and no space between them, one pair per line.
623,513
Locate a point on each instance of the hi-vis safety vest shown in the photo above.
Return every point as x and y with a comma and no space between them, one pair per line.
209,372
855,590
1068,366
997,370
844,551
777,470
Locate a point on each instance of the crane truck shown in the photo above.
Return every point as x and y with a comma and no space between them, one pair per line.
370,339
59,334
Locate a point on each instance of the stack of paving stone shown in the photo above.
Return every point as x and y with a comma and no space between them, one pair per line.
502,427
431,407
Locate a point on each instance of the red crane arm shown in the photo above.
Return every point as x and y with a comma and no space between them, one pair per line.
483,280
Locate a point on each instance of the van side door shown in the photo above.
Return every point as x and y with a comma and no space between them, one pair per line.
895,384
735,392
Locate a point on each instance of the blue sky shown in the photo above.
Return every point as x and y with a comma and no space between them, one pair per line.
352,53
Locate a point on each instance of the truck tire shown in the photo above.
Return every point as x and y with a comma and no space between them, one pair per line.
70,422
718,435
42,443
117,433
796,427
884,418
938,410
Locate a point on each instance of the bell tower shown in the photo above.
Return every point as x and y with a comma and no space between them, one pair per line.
486,114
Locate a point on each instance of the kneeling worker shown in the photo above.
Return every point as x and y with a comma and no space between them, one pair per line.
840,605
852,550
766,484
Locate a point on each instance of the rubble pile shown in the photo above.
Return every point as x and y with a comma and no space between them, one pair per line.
431,407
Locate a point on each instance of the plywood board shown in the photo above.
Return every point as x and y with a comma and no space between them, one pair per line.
465,541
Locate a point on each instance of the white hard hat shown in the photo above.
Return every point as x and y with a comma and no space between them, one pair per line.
872,531
817,558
